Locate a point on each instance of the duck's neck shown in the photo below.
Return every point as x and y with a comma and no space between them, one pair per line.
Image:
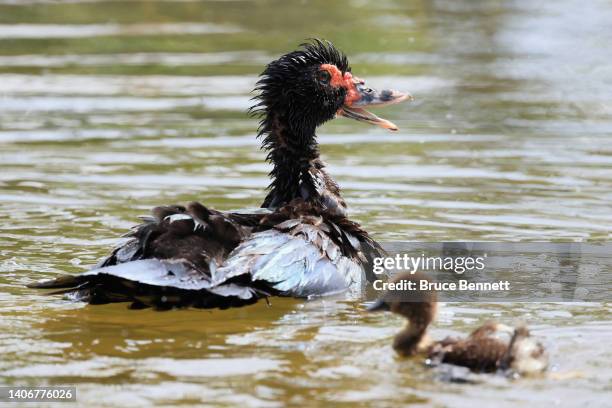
297,169
409,341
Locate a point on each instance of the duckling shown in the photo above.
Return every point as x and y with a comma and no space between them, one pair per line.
485,350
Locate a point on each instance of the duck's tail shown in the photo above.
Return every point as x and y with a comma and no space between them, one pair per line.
161,284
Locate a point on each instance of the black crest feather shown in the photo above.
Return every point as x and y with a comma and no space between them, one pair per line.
278,72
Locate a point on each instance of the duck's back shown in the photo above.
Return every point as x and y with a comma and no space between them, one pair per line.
198,257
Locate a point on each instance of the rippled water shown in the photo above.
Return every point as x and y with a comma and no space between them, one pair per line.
110,108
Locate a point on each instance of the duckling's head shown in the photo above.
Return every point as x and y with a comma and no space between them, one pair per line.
417,306
313,84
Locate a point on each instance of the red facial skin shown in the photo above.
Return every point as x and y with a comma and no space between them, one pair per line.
348,82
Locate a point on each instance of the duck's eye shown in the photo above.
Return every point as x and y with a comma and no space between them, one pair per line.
324,77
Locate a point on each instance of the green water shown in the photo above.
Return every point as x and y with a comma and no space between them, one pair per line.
110,108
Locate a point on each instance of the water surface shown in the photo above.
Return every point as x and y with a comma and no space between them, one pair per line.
110,108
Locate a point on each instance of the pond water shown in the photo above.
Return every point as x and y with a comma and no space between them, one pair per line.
110,108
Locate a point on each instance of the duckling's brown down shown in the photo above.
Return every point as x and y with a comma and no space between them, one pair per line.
484,350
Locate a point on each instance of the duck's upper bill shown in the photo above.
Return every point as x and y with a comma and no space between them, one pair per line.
359,95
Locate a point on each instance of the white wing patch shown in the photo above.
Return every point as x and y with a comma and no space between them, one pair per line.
304,264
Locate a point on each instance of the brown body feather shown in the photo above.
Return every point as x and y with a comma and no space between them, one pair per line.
199,237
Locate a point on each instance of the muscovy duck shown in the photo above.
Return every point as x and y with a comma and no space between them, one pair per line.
489,348
300,243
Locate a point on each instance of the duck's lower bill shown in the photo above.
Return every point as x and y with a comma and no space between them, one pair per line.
363,96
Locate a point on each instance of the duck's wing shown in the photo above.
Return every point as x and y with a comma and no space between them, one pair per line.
301,257
194,233
151,282
167,261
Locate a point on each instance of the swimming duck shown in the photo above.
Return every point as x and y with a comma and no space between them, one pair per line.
489,348
301,243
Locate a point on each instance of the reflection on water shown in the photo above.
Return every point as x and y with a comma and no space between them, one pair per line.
110,108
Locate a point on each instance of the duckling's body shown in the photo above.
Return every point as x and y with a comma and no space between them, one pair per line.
489,348
301,243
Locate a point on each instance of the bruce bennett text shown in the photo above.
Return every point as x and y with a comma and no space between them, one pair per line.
460,285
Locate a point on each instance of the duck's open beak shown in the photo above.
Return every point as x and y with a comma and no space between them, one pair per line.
359,95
